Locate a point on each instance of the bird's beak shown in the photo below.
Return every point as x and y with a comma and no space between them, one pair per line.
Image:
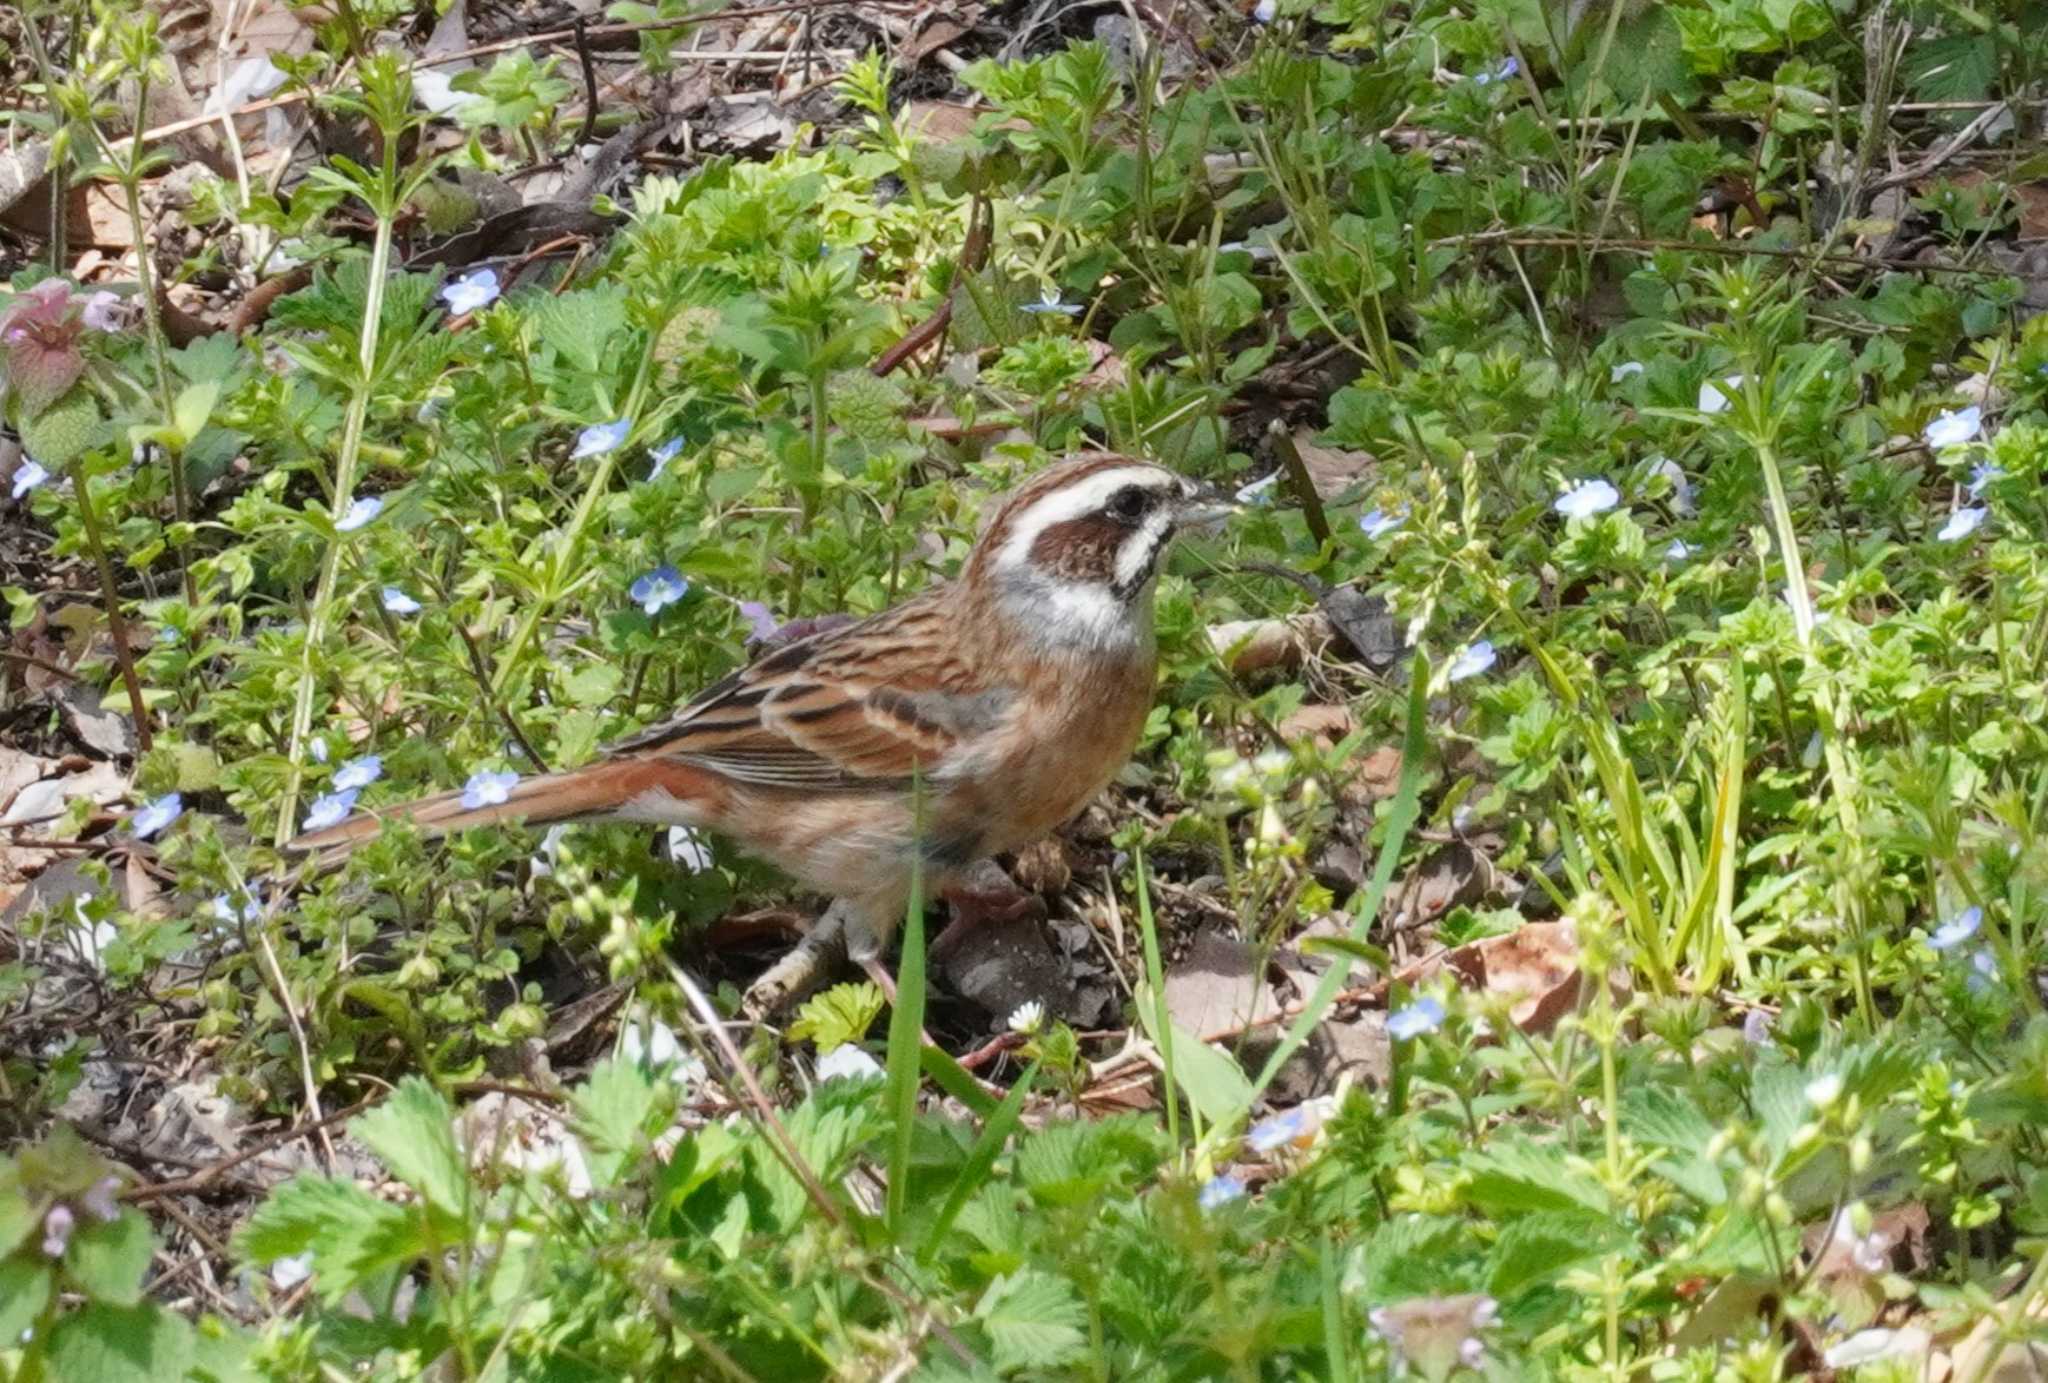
1204,507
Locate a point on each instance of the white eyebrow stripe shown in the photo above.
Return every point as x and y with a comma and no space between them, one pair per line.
1071,502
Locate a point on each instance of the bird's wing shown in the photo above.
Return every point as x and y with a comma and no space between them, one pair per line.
861,708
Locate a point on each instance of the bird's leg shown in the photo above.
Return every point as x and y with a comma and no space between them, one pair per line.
804,968
983,894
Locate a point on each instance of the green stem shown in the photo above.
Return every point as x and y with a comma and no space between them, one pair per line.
117,625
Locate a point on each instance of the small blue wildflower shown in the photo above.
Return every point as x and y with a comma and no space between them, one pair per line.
1982,475
1473,660
1756,1027
1219,1191
1260,491
1280,1130
599,438
226,911
1379,522
471,292
1508,67
658,589
1424,1015
399,603
330,810
318,749
1954,428
664,454
1049,301
358,513
1963,523
1586,499
1678,551
29,475
155,816
1265,12
1957,929
1983,970
358,773
488,789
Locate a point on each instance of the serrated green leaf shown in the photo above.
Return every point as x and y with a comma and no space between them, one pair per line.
107,1260
838,1015
119,1344
1034,1321
580,325
65,430
1538,1248
350,1233
612,1109
1515,1173
414,1132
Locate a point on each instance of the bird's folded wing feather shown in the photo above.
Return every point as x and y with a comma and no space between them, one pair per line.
858,709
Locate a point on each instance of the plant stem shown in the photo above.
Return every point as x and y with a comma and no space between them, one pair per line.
117,626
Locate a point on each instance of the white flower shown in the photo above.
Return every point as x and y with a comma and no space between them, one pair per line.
1586,499
1625,369
664,454
358,513
1472,661
1027,1018
689,848
1713,400
1220,1190
1681,487
847,1062
92,938
225,910
399,603
156,815
1379,522
599,438
28,475
1957,929
1963,523
1678,551
550,850
1260,491
1824,1090
1756,1027
472,292
436,92
1264,12
1424,1015
488,789
358,772
1049,301
331,810
287,1273
318,749
1954,429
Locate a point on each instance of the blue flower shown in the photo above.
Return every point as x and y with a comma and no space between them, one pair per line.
1277,1132
1678,551
1049,301
1508,68
1424,1015
1586,499
764,624
488,789
1982,475
1260,491
358,513
664,454
1983,970
1379,522
358,773
1756,1027
657,590
1963,523
599,438
330,810
399,603
471,292
1220,1190
1475,659
224,908
1954,429
28,475
1265,12
318,749
156,815
1957,929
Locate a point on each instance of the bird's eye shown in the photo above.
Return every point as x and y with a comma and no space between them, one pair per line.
1129,504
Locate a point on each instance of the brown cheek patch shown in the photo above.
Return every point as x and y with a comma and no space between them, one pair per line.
1082,549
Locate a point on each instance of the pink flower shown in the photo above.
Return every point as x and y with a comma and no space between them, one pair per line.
39,354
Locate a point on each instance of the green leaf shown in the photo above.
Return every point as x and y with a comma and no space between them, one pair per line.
1515,1173
906,1037
414,1132
1212,1082
580,325
613,1108
839,1015
25,1287
1538,1248
351,1233
117,1344
192,409
1034,1321
107,1261
65,430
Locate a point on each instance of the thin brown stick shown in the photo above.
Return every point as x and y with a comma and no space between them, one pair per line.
589,79
30,660
201,1180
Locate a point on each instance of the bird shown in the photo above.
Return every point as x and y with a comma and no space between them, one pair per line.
969,720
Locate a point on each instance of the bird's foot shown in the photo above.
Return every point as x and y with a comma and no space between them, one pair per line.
983,896
807,965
